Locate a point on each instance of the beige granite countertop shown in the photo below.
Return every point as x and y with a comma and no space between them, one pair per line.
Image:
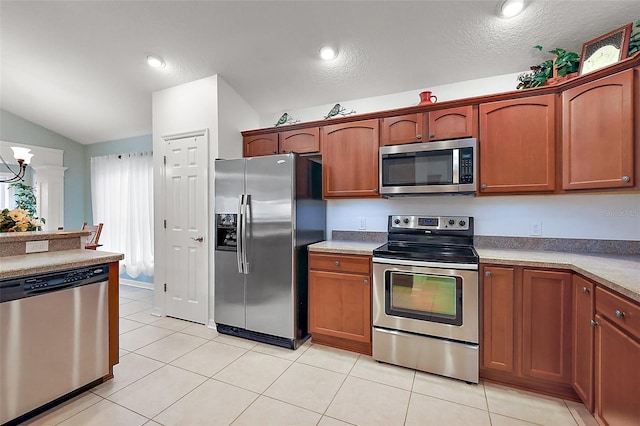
619,273
6,237
37,263
344,247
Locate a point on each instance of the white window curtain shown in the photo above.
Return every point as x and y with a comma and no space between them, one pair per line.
122,199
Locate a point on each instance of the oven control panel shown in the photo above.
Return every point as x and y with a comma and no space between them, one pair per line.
458,223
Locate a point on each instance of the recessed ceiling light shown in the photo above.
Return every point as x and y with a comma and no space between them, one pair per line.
328,53
511,8
155,61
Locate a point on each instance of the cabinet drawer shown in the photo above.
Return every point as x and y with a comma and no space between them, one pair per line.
340,263
622,312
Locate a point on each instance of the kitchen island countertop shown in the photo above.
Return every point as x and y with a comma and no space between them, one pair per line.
38,263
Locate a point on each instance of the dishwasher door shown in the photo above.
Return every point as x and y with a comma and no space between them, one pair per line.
52,344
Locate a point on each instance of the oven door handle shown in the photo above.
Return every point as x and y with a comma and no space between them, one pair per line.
424,264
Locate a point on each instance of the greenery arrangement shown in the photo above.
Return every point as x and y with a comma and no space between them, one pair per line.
634,40
23,217
564,63
25,197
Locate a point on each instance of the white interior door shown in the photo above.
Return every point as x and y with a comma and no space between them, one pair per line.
187,254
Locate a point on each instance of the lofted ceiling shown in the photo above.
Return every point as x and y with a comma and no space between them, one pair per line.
78,67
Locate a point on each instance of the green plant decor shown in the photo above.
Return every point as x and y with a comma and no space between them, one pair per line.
25,197
564,62
634,40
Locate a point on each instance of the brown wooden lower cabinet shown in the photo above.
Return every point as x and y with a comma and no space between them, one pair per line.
114,316
526,328
583,337
617,358
340,301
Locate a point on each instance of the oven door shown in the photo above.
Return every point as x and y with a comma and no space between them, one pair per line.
432,299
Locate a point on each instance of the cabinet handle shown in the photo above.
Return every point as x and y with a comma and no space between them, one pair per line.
432,135
593,323
619,314
366,282
585,290
375,190
274,151
487,274
418,136
625,179
483,186
337,263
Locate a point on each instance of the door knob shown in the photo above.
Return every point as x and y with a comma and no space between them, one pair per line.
418,136
366,282
619,314
432,135
625,179
585,290
593,323
199,239
487,274
483,186
337,263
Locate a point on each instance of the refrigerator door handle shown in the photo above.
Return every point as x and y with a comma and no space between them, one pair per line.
246,212
240,242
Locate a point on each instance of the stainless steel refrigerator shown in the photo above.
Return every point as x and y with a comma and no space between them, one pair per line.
267,211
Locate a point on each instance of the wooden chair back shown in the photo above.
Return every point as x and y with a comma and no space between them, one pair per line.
92,240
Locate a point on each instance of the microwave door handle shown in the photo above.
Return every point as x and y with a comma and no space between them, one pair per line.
456,166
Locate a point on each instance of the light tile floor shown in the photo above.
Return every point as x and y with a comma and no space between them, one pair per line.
174,372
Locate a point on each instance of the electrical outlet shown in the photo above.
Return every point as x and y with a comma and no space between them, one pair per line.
362,223
37,246
535,228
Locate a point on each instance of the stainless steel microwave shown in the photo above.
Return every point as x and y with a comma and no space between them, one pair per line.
445,167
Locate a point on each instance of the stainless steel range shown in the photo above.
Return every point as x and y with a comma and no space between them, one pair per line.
425,296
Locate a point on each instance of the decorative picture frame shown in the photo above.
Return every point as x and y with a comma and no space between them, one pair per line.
605,50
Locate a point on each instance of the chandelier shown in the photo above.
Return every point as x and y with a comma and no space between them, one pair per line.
23,157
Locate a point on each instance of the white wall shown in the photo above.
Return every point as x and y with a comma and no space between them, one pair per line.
445,92
610,216
209,103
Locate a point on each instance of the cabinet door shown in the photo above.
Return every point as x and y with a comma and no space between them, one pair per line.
583,338
517,145
340,305
453,123
597,134
617,375
498,342
403,129
302,141
350,160
546,325
255,146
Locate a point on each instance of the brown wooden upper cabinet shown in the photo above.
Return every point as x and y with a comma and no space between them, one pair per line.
453,123
402,129
301,141
517,145
255,146
597,133
450,123
350,159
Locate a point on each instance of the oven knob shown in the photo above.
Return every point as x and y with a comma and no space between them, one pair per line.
462,223
451,221
396,221
406,220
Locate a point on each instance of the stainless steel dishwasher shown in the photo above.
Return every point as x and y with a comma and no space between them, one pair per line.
54,337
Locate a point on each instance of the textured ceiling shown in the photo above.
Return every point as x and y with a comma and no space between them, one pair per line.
78,67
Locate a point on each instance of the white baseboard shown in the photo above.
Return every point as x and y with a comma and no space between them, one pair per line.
211,325
139,284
